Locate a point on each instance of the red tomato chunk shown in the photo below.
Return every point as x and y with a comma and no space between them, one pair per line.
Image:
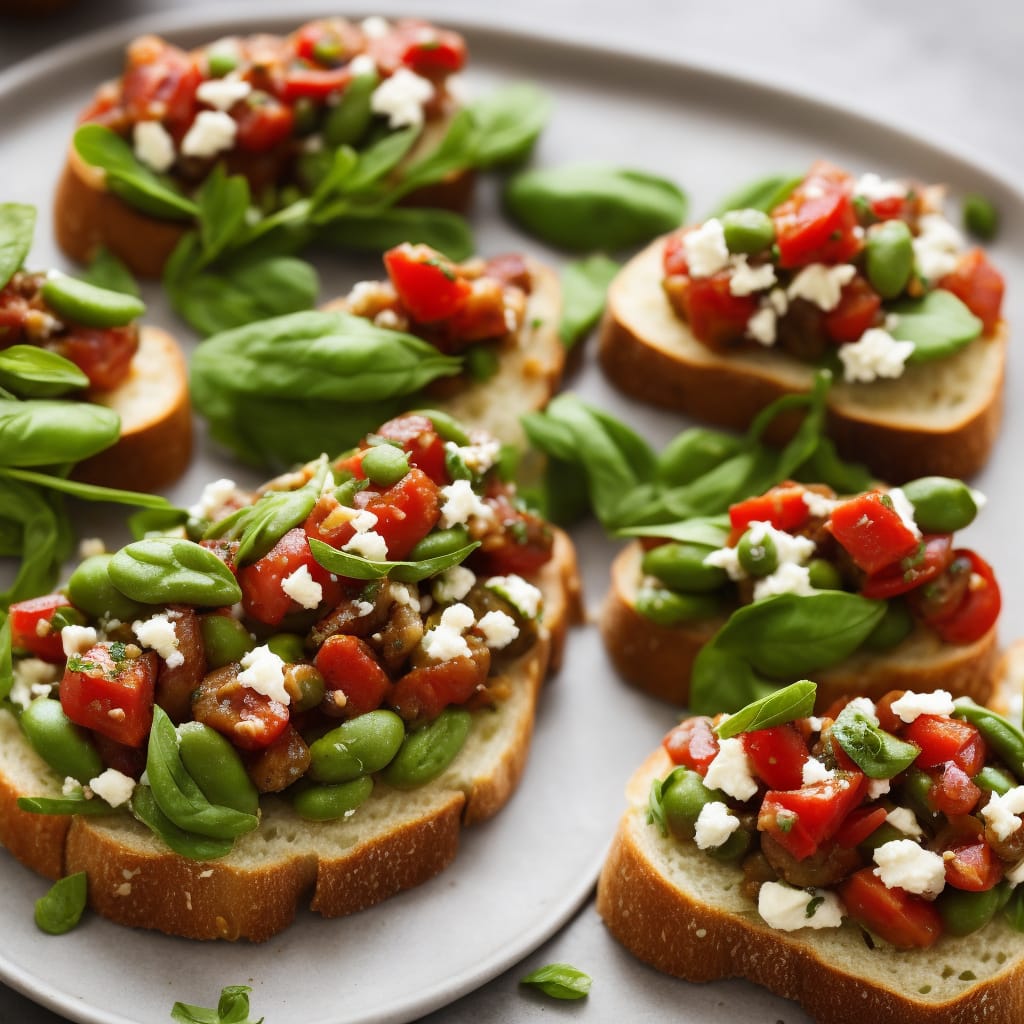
30,627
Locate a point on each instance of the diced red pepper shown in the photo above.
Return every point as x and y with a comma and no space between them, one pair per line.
979,609
979,286
348,664
316,83
424,692
871,531
858,310
249,719
30,627
693,743
427,282
716,316
816,224
927,561
519,542
974,866
783,506
905,921
422,442
943,739
952,791
778,755
860,823
436,53
263,125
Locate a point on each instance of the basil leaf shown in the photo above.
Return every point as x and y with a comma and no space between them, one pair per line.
167,570
587,207
877,753
507,123
6,662
107,271
232,1008
1014,909
374,232
61,908
187,844
826,467
42,540
584,288
64,805
223,203
129,179
785,705
764,194
711,531
455,153
40,432
336,169
559,981
34,372
938,324
357,568
381,158
693,453
722,680
156,520
17,224
87,492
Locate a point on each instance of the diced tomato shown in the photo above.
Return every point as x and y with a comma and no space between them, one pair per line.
129,761
174,685
693,743
225,550
778,755
263,123
251,720
973,867
926,562
674,256
800,820
871,531
887,718
315,83
979,286
103,355
406,512
519,542
424,445
435,53
716,316
952,791
816,224
113,696
783,506
159,84
30,627
427,282
944,739
860,823
424,692
894,208
348,664
857,311
326,41
903,920
977,612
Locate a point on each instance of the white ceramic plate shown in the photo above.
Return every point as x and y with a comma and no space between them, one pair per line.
520,877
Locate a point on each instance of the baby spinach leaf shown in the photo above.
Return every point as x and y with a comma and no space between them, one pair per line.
223,203
41,433
710,531
785,705
42,540
17,224
62,907
559,981
379,159
355,567
877,753
584,288
376,231
764,194
87,492
507,123
168,570
693,453
107,271
187,844
938,324
34,372
232,1008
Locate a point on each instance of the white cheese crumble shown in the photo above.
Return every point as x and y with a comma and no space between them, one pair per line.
821,284
911,704
375,27
875,354
905,510
33,677
89,547
478,456
460,504
212,132
363,521
761,326
159,634
878,787
789,578
404,593
153,145
113,786
71,787
727,559
453,584
1003,812
730,771
217,498
705,249
714,825
223,93
400,98
77,639
263,671
778,301
936,247
903,818
445,640
815,771
903,864
370,545
746,279
818,505
523,596
362,64
874,188
866,706
789,547
787,909
302,588
499,629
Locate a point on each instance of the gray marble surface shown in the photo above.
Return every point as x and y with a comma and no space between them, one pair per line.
951,72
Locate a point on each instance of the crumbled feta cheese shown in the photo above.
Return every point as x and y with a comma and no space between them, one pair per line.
89,547
71,787
302,588
21,692
460,504
788,578
875,189
263,671
401,97
905,510
936,247
445,640
499,629
821,284
866,707
905,865
1003,812
878,787
761,326
212,132
903,818
375,27
223,93
788,909
875,354
158,633
404,593
363,521
727,559
362,64
370,545
911,704
153,145
113,786
730,771
77,639
523,596
1016,874
778,301
453,584
789,547
746,279
36,672
818,505
815,771
705,249
714,825
478,456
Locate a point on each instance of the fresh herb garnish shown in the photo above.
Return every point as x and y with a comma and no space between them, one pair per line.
559,981
877,753
785,705
232,1008
61,908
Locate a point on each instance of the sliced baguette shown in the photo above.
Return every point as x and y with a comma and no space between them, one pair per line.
939,418
659,659
681,911
394,841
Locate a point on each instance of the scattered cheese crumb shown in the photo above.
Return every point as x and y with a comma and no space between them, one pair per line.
761,326
866,707
223,93
746,279
878,787
705,249
263,671
153,145
499,629
453,584
876,354
370,545
815,771
818,505
375,27
218,497
212,132
936,247
460,504
302,588
788,909
362,64
1002,812
113,786
903,818
77,639
911,704
905,510
523,596
788,578
873,188
401,97
89,547
821,285
905,865
730,771
714,825
158,633
445,640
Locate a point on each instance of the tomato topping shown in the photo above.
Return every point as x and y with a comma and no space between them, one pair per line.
519,542
693,743
406,512
716,316
174,685
905,921
953,792
928,561
976,613
425,691
110,693
326,41
263,123
979,286
103,355
435,53
887,718
30,627
348,664
816,224
673,258
800,820
427,282
251,720
871,531
944,739
857,311
973,866
860,823
313,82
424,445
783,506
159,84
778,755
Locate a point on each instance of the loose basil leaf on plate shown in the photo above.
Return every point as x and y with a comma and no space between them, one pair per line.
107,271
168,570
938,324
584,289
17,224
43,433
61,908
559,981
377,231
33,372
877,753
358,568
187,844
764,194
507,123
232,1008
785,705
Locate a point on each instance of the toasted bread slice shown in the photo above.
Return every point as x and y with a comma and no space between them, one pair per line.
659,659
394,841
156,420
683,912
939,418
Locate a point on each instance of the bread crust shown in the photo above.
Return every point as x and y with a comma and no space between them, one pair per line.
394,841
680,911
649,353
659,659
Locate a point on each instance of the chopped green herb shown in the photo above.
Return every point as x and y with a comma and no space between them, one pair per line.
812,906
559,981
61,908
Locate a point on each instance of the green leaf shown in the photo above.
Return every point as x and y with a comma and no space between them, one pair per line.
87,492
375,232
223,203
786,705
42,433
381,158
877,753
584,287
6,663
559,981
186,844
507,123
938,324
156,520
64,805
34,372
455,153
107,271
355,567
232,1008
168,570
17,224
711,531
61,908
764,194
42,544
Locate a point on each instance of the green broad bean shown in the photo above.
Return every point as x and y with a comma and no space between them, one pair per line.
361,746
965,912
225,639
667,608
328,803
941,504
440,542
889,257
428,751
447,427
885,833
221,62
91,590
980,217
289,647
682,801
346,491
693,453
1005,738
680,566
86,304
64,746
216,767
735,847
823,575
916,790
995,780
347,123
757,557
305,685
747,231
385,464
893,628
167,570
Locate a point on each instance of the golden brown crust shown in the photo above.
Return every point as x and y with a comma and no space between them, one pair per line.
650,354
659,659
